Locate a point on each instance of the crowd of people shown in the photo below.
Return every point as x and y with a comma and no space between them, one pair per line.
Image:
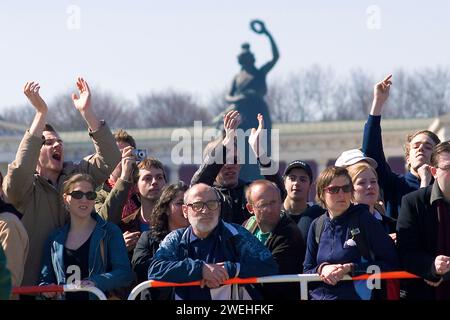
111,221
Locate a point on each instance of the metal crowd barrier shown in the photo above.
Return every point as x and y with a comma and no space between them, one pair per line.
304,279
60,288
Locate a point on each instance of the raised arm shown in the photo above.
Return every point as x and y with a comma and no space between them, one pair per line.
380,95
82,103
107,154
275,53
372,144
256,142
31,90
19,180
110,208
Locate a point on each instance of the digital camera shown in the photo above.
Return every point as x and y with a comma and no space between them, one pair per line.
140,154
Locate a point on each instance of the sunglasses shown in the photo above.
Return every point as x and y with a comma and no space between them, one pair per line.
335,189
199,206
90,195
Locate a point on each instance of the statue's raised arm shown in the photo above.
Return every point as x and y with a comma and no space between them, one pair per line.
259,27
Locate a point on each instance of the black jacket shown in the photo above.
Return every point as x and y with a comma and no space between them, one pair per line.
143,254
233,199
417,240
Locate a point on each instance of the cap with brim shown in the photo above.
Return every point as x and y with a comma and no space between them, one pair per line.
350,157
299,164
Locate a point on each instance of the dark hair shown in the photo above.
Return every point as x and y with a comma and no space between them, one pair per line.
159,220
325,178
1,179
411,136
49,127
442,147
148,163
123,136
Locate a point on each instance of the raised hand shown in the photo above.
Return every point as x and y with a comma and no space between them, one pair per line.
83,101
231,122
255,140
128,162
380,95
31,90
83,104
381,89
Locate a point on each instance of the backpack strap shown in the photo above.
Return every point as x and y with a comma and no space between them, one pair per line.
320,224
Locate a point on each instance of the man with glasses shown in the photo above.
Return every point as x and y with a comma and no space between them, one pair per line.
35,178
210,250
279,233
423,232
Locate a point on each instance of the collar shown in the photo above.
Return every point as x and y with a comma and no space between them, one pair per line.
377,215
436,193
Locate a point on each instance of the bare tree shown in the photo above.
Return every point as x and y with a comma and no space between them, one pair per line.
23,114
117,112
170,108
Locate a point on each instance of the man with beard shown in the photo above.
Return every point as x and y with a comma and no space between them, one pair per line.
418,149
210,250
221,168
35,178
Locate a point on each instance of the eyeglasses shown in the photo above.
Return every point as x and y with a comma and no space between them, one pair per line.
335,189
200,205
90,195
265,205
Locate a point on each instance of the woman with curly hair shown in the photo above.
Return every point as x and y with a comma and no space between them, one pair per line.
167,216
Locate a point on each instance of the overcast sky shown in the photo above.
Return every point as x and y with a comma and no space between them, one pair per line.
132,47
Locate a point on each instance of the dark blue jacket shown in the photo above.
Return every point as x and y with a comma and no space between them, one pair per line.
244,256
394,186
116,274
331,250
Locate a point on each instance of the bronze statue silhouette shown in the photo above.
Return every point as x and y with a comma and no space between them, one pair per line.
249,85
247,95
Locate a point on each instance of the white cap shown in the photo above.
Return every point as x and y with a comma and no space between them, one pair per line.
349,157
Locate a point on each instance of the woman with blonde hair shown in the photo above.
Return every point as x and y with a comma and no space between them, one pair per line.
367,191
